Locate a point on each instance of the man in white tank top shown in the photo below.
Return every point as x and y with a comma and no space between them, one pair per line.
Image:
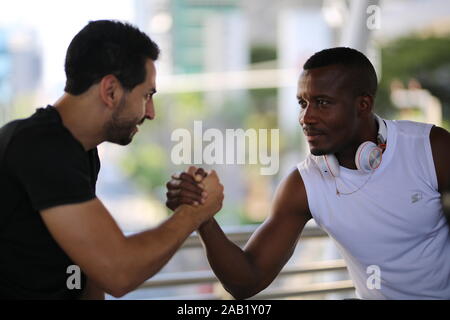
373,185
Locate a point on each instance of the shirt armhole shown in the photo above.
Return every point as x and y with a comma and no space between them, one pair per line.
306,176
429,156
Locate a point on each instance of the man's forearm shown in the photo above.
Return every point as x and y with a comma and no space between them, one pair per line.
229,262
92,292
147,252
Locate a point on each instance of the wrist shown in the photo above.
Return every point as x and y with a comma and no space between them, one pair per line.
206,225
189,214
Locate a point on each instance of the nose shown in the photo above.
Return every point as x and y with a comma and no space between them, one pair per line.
150,110
308,116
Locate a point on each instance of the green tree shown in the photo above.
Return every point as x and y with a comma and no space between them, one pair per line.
416,57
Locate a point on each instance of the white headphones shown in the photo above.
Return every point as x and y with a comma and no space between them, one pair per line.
367,158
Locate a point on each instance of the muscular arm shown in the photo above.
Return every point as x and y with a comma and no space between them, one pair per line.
92,292
115,263
246,272
90,236
440,145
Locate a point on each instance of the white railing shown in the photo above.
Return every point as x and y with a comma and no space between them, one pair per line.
240,236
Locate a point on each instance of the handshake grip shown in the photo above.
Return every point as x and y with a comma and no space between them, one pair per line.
197,188
215,196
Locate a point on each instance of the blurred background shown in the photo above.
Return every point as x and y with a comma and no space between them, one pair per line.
231,64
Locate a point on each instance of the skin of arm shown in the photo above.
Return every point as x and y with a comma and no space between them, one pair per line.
255,267
440,142
92,291
115,263
246,272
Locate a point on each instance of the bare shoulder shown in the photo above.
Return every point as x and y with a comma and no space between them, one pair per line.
440,146
291,197
438,136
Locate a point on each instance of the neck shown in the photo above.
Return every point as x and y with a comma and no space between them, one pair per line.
80,116
369,132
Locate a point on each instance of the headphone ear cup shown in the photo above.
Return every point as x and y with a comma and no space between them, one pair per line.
328,165
368,157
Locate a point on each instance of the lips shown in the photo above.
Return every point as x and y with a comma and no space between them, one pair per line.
313,135
310,133
314,138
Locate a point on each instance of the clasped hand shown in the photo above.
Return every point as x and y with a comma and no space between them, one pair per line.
197,188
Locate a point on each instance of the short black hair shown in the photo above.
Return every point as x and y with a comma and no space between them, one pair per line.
350,58
105,47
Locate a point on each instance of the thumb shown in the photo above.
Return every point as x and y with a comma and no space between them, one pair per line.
200,174
192,170
213,174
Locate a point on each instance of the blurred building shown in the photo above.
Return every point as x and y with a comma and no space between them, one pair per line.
26,61
20,68
196,36
5,75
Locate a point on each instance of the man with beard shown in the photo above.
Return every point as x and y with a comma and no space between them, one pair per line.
51,222
373,185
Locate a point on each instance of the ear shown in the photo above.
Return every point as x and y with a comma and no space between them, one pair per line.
111,91
364,104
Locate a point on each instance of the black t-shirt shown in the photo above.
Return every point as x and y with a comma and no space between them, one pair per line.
43,166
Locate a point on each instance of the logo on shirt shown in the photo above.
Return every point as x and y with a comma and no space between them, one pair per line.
416,196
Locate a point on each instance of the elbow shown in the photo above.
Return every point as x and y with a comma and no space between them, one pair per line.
241,293
241,290
117,284
117,291
113,273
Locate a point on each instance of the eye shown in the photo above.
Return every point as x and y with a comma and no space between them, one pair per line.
322,102
148,96
303,103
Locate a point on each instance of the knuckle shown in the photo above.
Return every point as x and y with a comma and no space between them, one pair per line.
177,175
183,194
184,175
184,185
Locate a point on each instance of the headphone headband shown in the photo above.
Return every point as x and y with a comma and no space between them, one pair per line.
382,130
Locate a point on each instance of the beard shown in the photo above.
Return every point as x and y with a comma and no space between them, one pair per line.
119,129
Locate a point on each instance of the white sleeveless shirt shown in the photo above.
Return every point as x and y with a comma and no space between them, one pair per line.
395,222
